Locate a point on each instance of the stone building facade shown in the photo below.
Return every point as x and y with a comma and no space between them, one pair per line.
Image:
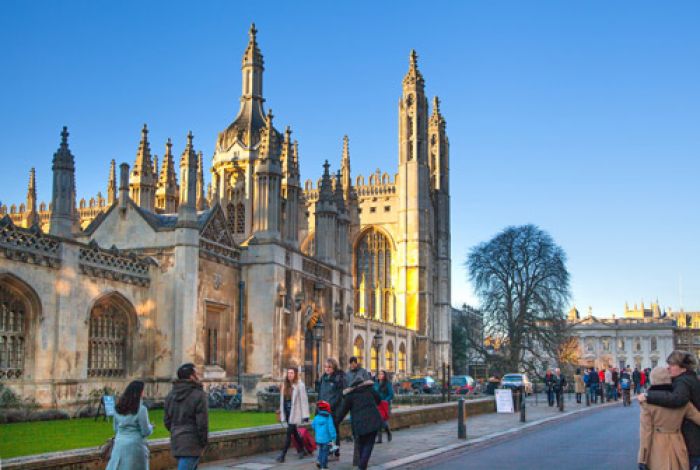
618,342
166,270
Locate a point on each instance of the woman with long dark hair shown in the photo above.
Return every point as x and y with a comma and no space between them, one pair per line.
385,391
294,410
132,427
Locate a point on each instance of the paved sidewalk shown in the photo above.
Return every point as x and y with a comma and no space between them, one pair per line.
411,441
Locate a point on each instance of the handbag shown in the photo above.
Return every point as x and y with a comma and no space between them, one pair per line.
106,450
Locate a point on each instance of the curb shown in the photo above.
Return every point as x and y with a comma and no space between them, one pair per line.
412,459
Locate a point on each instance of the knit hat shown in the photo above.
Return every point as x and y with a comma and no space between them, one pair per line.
323,406
660,376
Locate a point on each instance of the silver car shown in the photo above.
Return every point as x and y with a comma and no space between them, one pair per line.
517,381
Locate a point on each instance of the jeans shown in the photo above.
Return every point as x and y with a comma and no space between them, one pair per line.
593,390
694,462
364,445
550,396
292,429
637,387
187,463
336,424
323,454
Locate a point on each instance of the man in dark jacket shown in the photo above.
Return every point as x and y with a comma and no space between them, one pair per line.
330,390
593,382
559,386
637,379
187,418
361,399
686,388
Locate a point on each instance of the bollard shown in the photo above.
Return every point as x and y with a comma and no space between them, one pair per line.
461,425
522,406
560,395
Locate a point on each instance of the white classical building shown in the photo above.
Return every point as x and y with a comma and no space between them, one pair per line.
618,342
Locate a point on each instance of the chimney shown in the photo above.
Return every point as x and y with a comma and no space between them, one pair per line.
123,186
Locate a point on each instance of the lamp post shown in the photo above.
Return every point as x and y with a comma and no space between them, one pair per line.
318,336
377,345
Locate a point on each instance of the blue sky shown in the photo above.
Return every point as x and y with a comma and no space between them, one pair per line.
580,117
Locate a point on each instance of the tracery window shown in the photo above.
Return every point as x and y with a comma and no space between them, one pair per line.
373,288
13,314
358,350
402,358
240,218
107,341
654,343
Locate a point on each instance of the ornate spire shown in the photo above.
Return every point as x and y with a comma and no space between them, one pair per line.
268,140
167,193
287,155
339,196
413,76
187,216
326,189
64,214
143,162
155,165
252,66
112,183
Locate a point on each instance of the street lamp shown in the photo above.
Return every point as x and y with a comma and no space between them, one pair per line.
377,345
318,336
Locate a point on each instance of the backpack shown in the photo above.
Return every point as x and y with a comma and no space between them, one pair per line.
625,383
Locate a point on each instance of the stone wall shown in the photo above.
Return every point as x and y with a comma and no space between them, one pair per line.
240,442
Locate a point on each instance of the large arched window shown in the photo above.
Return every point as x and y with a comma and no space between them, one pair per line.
402,358
13,321
389,357
108,339
373,291
374,359
358,350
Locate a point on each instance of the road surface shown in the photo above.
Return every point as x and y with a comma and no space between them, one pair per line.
606,438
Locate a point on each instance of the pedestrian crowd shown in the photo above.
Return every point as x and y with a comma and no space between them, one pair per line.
609,383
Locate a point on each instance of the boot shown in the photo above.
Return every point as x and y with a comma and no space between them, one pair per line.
280,459
388,433
379,436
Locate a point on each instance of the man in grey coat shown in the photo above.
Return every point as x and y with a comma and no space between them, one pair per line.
187,418
355,371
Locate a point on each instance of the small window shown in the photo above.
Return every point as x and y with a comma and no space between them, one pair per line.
387,208
359,211
372,210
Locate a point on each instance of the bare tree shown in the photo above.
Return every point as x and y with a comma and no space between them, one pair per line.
522,282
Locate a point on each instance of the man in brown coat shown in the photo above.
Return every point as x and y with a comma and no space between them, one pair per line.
187,418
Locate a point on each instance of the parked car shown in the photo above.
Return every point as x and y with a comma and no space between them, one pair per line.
424,385
462,384
517,381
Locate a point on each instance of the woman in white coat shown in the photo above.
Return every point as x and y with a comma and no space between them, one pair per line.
294,410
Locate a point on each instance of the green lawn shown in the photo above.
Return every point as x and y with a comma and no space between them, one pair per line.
48,436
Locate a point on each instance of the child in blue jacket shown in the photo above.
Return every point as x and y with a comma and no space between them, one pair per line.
324,430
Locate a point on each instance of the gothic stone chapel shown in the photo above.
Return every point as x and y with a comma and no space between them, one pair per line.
161,271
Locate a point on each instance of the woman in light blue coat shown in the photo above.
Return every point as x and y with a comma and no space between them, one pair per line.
132,427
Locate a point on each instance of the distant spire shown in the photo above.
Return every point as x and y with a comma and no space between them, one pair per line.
32,216
143,155
155,165
201,196
345,167
413,76
142,183
436,106
112,183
